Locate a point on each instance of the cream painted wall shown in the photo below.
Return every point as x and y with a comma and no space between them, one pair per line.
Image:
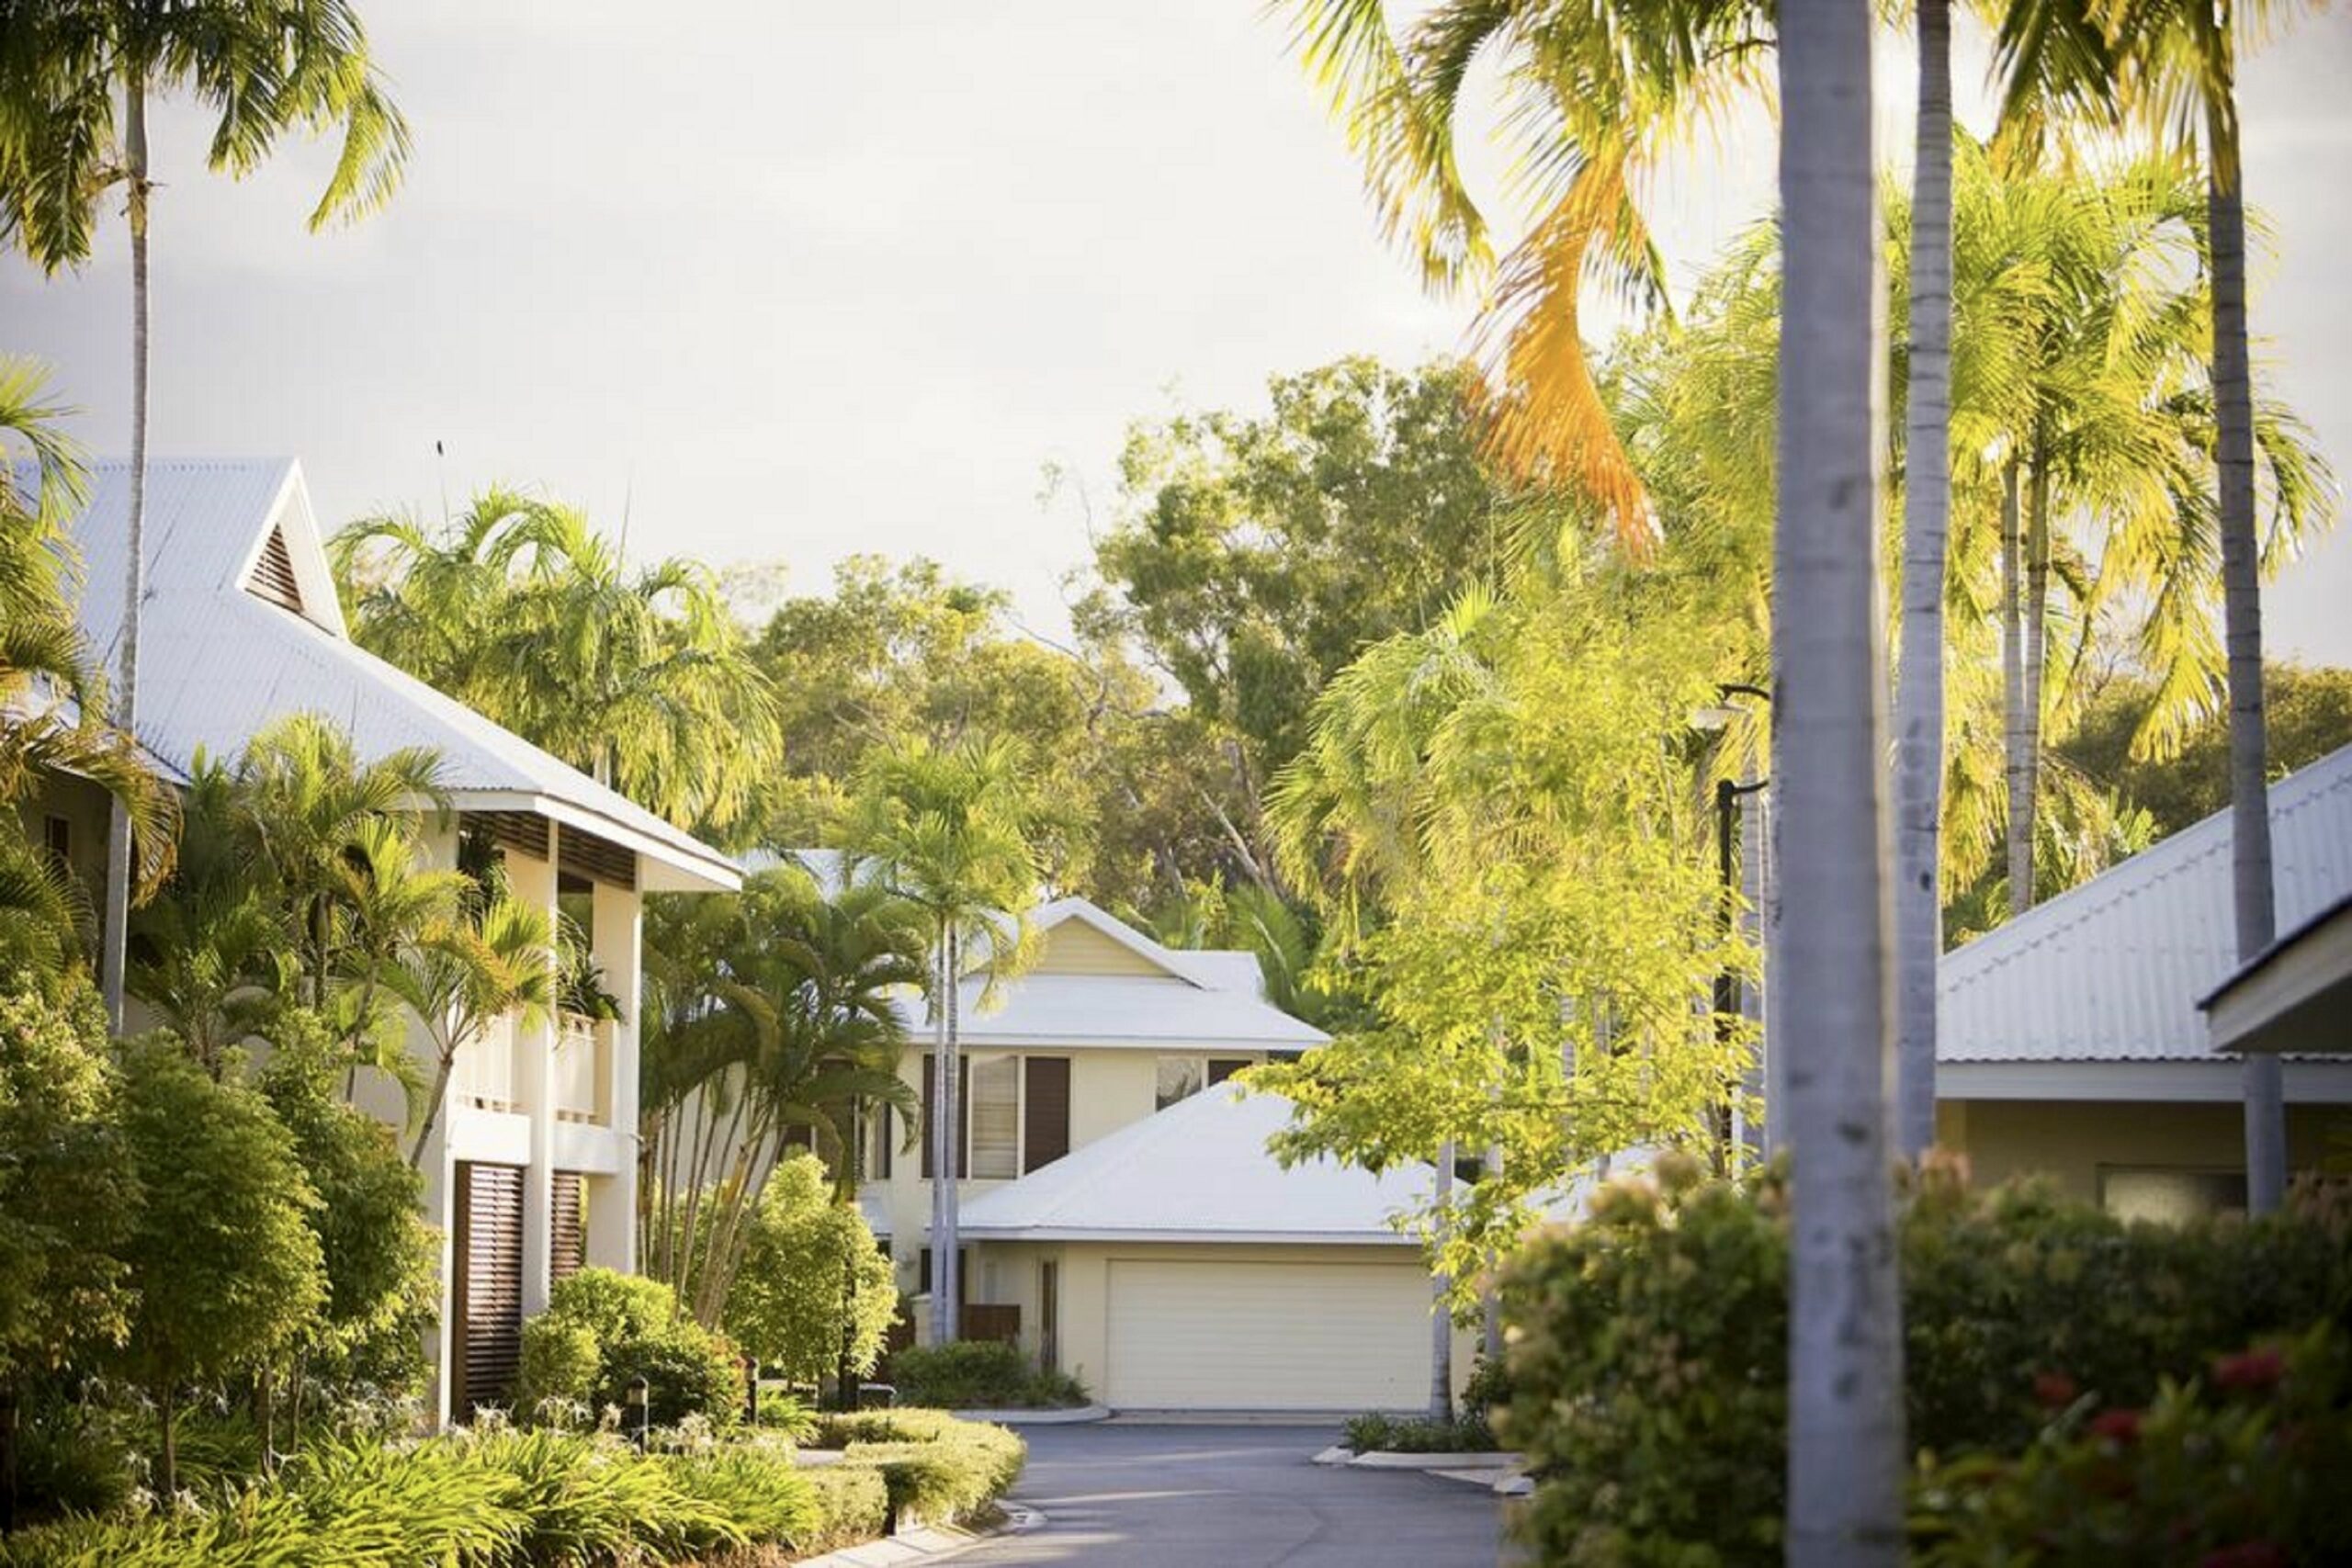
1074,947
1109,1088
2071,1141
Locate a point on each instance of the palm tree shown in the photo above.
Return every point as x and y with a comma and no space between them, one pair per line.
1846,1450
953,831
1594,93
265,69
52,703
519,608
774,1016
494,957
1926,527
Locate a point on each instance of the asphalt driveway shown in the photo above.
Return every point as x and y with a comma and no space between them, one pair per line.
1142,1496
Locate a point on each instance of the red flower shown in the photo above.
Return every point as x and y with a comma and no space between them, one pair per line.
2053,1391
2250,1369
2245,1554
2117,1426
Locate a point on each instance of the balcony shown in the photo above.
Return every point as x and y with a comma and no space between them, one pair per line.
579,1076
482,1076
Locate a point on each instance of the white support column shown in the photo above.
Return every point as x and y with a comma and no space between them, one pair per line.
533,882
617,938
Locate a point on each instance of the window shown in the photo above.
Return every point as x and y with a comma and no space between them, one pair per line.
2169,1197
59,833
996,1118
1180,1077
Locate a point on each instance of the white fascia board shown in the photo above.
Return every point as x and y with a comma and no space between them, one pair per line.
2307,1083
1097,1040
673,869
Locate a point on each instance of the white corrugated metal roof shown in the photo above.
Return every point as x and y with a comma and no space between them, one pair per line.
2111,971
217,663
1198,1171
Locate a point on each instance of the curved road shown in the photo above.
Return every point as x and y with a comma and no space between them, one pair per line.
1154,1497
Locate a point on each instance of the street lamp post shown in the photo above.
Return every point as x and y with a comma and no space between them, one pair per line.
1728,795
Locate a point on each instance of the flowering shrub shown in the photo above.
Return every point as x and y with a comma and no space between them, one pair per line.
1651,1341
2244,1468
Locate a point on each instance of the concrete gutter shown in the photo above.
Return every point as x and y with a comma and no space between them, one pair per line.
1036,1417
925,1543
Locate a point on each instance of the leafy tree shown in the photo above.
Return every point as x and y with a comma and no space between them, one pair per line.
953,832
1258,555
264,70
2308,714
381,1261
222,1255
66,1195
814,1297
773,1017
522,610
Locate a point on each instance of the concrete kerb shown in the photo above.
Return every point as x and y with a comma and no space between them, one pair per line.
1036,1417
926,1543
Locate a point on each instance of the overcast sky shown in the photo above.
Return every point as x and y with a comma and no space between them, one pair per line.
789,282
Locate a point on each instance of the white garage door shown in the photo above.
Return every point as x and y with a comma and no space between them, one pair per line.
1208,1336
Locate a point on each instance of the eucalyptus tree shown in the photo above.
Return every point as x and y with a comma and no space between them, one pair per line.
264,69
2172,64
1592,95
1830,923
520,608
952,830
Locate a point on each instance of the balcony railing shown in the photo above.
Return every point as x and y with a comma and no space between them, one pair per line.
484,1073
579,1068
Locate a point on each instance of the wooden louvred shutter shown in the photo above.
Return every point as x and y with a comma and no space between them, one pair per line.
1045,1135
273,575
489,1285
569,1228
1224,1068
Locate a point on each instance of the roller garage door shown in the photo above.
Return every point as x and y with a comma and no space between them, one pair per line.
1214,1336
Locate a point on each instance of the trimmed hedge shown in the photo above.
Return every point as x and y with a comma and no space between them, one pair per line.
934,1467
979,1374
1650,1353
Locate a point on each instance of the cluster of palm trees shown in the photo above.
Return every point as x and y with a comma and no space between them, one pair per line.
307,877
522,610
1593,89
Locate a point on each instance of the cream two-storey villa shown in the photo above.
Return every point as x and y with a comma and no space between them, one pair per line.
531,1169
1121,1218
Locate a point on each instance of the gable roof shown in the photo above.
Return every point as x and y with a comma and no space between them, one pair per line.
218,660
1198,1171
1201,1000
2112,971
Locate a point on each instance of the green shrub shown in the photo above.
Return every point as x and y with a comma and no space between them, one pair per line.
978,1374
810,1269
604,1330
2247,1468
1650,1362
1376,1433
852,1506
933,1466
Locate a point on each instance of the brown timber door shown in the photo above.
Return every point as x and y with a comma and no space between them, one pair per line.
488,1305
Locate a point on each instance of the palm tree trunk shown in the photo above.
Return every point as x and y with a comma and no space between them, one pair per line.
442,1069
1927,524
2256,912
2017,739
947,1257
1847,1461
1440,1299
2037,661
942,1145
116,935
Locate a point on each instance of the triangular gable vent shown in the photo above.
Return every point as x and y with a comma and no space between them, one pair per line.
273,575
